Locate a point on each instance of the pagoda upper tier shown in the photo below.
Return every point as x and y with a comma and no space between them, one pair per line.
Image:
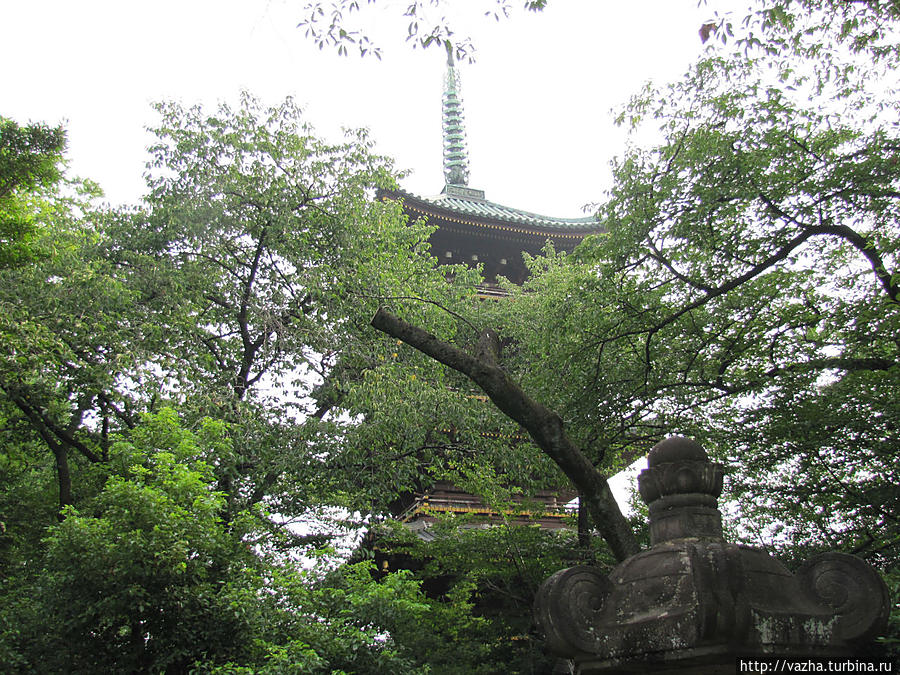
471,229
474,230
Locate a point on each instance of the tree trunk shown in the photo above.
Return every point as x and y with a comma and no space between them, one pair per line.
64,478
584,524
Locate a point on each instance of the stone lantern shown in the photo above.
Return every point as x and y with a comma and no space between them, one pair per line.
692,602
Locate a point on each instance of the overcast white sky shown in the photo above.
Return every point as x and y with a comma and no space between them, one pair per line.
537,100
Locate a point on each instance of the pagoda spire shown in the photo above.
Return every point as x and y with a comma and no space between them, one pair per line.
456,160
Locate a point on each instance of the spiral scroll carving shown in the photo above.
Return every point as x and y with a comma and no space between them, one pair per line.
852,590
567,607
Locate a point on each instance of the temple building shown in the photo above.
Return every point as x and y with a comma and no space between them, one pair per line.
473,230
470,228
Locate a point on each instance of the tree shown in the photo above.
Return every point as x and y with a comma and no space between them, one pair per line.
253,218
71,336
139,578
250,264
246,272
146,577
746,294
30,159
257,250
811,29
497,570
542,424
32,212
764,233
334,27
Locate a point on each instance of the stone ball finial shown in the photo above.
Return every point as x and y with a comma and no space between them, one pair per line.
680,466
676,449
681,487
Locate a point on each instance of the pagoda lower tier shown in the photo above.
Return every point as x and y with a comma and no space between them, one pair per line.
549,509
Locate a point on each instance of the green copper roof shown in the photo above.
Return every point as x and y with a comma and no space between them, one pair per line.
465,204
456,160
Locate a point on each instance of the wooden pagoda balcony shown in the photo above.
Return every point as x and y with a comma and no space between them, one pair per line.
549,509
490,291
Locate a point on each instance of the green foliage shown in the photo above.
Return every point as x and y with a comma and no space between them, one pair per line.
146,577
258,257
27,494
71,334
140,578
494,572
30,159
814,28
257,220
335,27
261,252
345,622
766,225
746,293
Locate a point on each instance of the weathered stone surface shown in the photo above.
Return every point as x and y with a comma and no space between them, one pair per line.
853,590
693,600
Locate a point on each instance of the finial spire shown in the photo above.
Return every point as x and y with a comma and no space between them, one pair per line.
456,161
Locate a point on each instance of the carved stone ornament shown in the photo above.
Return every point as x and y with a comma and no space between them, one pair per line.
693,602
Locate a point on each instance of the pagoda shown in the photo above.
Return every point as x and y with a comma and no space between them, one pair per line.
472,230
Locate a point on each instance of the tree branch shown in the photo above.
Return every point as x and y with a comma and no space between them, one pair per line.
542,424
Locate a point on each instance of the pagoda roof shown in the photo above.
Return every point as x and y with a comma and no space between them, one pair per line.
466,205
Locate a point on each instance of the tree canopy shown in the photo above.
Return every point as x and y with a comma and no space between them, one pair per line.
337,27
30,159
746,290
175,426
188,381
